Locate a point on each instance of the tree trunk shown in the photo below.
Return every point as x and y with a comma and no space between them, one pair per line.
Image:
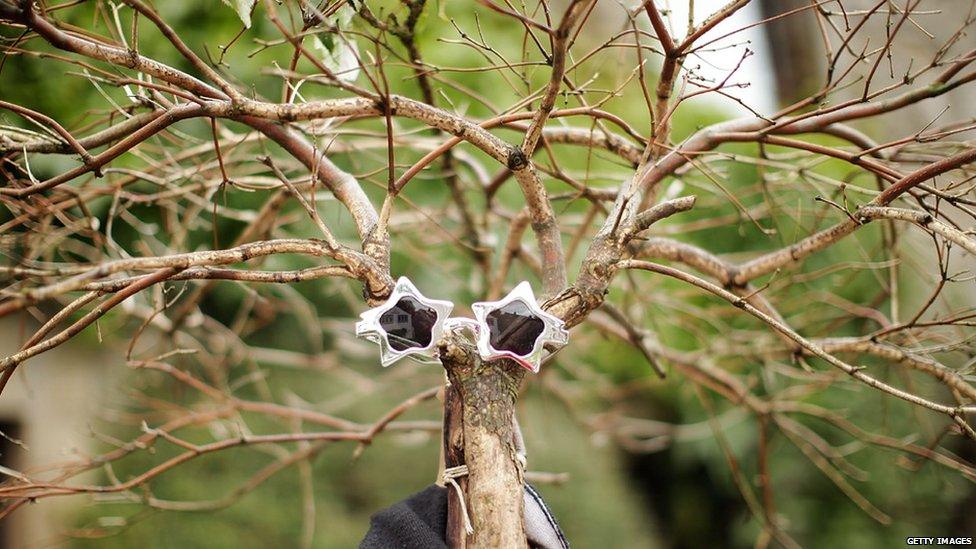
454,457
487,392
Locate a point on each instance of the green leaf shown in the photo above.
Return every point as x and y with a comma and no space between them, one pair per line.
339,56
243,9
343,17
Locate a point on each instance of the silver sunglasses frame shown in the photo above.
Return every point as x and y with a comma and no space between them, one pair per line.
369,326
553,333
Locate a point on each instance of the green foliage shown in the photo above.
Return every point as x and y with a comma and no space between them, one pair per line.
603,503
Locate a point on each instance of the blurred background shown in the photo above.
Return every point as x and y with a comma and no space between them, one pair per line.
666,487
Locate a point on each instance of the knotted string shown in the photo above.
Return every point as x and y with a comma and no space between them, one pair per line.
450,474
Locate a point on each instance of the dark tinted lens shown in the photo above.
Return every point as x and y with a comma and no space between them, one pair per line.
514,328
408,324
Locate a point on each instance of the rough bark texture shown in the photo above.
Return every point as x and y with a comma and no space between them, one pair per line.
489,391
454,457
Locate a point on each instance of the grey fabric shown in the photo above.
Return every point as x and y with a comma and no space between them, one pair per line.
420,522
540,526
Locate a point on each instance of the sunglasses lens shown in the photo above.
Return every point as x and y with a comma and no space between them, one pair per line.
514,328
408,324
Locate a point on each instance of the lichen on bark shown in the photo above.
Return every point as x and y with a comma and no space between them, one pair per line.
489,391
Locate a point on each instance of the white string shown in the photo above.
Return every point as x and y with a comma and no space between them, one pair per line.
450,474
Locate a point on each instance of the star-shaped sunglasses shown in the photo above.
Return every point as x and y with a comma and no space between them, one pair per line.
409,324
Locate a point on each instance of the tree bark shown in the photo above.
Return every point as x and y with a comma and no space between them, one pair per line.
488,392
454,457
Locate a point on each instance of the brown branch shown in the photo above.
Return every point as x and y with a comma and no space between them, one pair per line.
853,371
354,261
895,354
922,219
7,364
560,48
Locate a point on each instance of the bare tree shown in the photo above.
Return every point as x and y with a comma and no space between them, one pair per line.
901,216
